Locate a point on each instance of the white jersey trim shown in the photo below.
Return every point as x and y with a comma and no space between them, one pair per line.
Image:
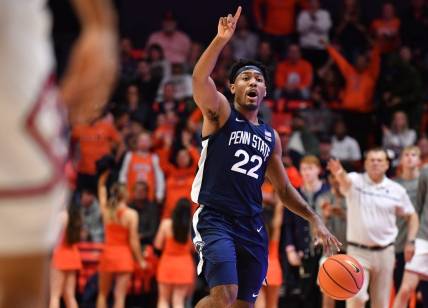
197,182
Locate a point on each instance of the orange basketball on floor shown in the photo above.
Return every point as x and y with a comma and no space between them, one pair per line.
340,277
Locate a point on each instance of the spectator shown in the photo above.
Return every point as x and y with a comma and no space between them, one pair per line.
326,92
169,102
143,165
148,213
386,29
415,27
244,42
92,224
302,141
416,269
135,107
401,88
180,172
91,142
160,68
293,174
293,77
332,207
147,84
373,202
195,52
357,95
277,24
175,44
398,136
267,58
423,147
128,64
176,271
408,178
313,25
350,31
344,147
182,82
299,244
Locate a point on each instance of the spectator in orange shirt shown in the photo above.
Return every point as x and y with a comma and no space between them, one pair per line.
386,29
357,95
293,76
93,141
277,24
142,165
180,174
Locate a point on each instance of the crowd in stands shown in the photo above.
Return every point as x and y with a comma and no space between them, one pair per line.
339,85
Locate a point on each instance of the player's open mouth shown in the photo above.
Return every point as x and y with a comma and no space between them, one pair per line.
252,94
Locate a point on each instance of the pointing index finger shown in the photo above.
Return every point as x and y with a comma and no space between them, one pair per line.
238,13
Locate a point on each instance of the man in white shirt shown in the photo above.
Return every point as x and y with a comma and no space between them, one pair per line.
175,44
344,148
313,25
374,201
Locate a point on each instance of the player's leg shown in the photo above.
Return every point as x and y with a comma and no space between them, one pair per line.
179,293
219,297
69,293
105,280
164,295
57,285
261,299
382,280
120,289
21,274
408,286
217,254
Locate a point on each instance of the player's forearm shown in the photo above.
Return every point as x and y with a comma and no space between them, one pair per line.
295,203
208,60
95,14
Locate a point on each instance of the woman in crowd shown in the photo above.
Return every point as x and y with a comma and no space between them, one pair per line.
122,243
66,260
176,272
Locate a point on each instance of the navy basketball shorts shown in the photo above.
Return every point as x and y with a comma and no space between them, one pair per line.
232,250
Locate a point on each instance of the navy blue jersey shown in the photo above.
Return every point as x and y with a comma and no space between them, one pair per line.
232,167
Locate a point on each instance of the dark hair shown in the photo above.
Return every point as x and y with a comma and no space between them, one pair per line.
243,62
181,220
156,47
377,149
72,231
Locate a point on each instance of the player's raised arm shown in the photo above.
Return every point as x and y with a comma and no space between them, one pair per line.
93,63
294,202
213,104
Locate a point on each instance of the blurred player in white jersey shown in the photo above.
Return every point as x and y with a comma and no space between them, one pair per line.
33,113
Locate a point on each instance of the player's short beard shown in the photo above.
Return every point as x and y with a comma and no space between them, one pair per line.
248,107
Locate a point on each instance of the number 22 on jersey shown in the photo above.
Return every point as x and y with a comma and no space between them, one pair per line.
241,165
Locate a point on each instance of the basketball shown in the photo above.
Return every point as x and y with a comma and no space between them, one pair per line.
340,277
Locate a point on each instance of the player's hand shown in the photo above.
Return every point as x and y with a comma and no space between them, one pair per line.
226,25
91,74
323,237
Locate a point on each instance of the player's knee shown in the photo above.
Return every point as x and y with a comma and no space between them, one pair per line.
225,295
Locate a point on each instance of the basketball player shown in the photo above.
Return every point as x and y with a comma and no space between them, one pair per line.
238,149
32,189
